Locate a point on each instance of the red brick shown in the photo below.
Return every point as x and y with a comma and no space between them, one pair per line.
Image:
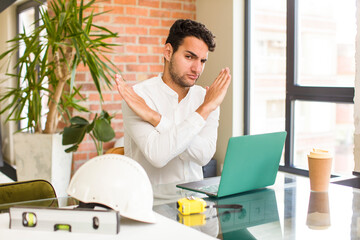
126,39
125,2
184,15
136,49
94,97
119,49
159,13
137,68
82,68
118,116
125,59
86,146
189,7
119,135
171,5
149,59
149,3
117,97
114,10
157,50
129,77
80,77
88,87
108,145
79,156
101,18
94,108
137,11
107,97
93,154
149,22
115,29
118,125
156,68
125,20
111,106
149,40
167,23
163,40
159,31
136,30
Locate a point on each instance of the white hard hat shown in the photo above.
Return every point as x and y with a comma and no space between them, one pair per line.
115,181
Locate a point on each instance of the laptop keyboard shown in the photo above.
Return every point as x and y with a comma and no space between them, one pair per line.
210,188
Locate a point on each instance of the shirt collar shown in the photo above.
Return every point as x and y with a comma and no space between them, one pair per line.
169,90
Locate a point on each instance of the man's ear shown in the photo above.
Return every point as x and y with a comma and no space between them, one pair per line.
168,51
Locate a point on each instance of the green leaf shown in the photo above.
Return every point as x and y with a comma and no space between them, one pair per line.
73,135
103,130
74,148
79,121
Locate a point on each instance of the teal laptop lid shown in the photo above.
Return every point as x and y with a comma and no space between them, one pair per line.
251,162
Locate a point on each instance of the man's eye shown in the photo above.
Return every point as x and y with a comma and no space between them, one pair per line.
189,57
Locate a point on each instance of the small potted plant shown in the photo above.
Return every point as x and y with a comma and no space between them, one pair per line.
99,129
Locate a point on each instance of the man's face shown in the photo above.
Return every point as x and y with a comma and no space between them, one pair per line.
188,62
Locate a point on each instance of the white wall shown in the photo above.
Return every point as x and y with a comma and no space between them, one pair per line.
357,93
226,20
8,31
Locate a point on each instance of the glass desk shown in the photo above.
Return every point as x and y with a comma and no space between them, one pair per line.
286,210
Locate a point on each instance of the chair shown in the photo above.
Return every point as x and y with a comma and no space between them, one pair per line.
116,150
34,193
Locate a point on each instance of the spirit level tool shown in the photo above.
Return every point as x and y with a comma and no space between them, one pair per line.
72,220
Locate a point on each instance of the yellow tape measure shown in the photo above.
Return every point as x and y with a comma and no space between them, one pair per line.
191,205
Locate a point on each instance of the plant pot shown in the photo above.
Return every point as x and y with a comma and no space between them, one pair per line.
42,156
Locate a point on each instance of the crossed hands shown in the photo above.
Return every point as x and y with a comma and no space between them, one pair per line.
135,102
215,93
214,96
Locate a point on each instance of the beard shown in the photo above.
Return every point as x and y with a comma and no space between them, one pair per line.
177,78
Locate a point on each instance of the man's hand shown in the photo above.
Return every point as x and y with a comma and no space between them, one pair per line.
215,93
136,103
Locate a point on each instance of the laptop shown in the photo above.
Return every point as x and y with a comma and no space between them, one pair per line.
251,162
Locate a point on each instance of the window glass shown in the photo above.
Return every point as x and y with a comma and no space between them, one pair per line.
26,20
26,25
268,66
326,35
328,126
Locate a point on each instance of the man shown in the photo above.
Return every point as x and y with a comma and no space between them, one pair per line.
170,123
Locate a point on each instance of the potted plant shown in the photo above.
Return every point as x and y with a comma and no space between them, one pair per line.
99,129
66,38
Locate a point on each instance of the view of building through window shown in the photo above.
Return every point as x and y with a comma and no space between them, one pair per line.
26,24
326,50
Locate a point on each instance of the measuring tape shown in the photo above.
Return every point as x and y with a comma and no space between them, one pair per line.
69,220
193,205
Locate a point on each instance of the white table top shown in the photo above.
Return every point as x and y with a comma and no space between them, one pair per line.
164,228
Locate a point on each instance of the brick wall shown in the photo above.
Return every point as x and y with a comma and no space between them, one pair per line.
142,26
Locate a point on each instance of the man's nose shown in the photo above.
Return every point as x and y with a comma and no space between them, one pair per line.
197,67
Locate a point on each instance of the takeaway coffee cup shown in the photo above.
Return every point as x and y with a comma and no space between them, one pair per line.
320,162
318,216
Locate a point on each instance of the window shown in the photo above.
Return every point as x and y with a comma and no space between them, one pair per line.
300,77
28,14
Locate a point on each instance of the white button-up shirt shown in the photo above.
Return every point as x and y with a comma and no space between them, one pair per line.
176,149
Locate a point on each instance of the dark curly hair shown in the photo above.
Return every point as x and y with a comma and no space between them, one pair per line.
188,28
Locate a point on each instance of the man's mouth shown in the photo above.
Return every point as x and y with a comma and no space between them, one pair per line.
193,76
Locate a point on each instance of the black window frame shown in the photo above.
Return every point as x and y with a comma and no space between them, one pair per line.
294,91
